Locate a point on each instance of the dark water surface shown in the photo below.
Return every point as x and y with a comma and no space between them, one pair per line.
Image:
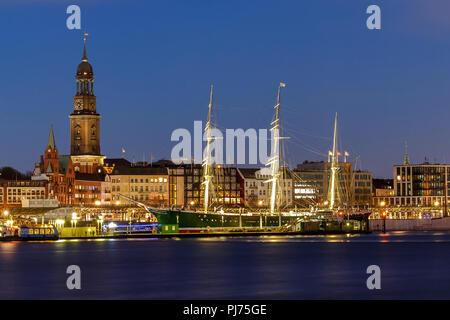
413,265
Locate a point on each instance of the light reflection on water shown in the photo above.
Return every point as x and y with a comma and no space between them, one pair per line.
413,265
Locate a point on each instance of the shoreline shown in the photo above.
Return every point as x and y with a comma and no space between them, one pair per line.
190,235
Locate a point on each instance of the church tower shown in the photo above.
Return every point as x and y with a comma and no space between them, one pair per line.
85,121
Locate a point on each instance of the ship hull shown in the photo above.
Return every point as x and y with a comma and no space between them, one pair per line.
190,219
187,221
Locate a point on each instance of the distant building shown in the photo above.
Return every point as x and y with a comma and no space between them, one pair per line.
422,185
13,193
419,191
88,189
145,184
226,187
255,192
312,184
383,191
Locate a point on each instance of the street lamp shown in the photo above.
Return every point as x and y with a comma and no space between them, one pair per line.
97,203
6,213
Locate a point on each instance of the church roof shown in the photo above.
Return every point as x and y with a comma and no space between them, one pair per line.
84,70
51,139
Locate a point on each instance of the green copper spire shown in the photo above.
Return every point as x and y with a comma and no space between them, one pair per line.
406,159
84,52
51,139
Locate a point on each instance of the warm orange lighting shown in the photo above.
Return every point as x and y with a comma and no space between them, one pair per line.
436,203
382,203
97,203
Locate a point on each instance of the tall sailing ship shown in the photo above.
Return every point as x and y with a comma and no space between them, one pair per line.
211,218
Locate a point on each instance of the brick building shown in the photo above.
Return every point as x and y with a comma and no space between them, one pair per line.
58,170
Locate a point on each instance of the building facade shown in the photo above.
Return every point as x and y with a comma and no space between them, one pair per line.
256,192
226,190
420,191
354,188
88,189
58,171
149,185
14,193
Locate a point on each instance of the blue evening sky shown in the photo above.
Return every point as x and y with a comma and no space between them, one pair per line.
155,60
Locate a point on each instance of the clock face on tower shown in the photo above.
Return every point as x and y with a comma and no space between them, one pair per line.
78,104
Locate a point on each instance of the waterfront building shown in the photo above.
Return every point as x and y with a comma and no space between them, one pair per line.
420,191
312,184
88,188
255,192
13,193
226,187
176,187
149,185
383,191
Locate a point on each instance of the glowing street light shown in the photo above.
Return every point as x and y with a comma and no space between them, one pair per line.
117,202
5,213
97,203
436,203
382,203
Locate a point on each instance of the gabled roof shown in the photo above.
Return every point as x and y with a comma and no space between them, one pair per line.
49,168
90,176
63,163
248,173
122,170
117,162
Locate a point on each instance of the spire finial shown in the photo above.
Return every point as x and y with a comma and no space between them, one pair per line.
84,47
406,159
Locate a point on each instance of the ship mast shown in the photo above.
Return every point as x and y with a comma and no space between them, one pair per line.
274,161
207,175
334,166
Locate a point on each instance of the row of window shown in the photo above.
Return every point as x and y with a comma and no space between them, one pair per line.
152,189
24,191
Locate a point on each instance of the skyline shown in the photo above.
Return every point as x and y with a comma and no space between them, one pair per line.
167,56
